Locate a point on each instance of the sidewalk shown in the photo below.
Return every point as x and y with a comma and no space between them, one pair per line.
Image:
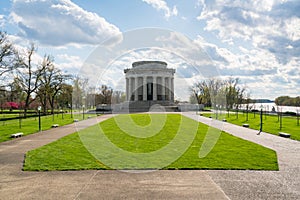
282,184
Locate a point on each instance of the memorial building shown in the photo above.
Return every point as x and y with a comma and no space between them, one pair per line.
149,83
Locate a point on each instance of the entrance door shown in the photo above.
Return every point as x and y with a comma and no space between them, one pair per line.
149,91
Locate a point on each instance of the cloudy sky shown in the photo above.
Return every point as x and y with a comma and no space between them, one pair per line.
256,40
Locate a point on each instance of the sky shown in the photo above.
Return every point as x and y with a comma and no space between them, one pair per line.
257,41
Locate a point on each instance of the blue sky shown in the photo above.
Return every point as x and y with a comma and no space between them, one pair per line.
257,41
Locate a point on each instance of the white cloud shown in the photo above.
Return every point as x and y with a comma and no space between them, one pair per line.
293,28
71,64
258,69
2,20
264,38
270,25
162,5
60,22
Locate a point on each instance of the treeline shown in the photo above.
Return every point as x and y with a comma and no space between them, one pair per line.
287,101
27,83
224,94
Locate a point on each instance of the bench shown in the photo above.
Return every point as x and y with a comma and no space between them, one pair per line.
55,125
16,135
285,135
76,120
246,125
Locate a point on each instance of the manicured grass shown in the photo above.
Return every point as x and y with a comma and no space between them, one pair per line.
270,123
30,125
70,152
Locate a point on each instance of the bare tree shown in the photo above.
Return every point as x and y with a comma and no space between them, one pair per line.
201,92
52,80
7,55
28,76
218,93
79,90
118,97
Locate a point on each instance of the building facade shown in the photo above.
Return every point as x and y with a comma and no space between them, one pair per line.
150,81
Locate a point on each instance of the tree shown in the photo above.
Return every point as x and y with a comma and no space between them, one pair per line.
201,93
15,91
79,91
218,93
28,76
53,79
105,95
118,97
287,101
64,98
231,93
7,55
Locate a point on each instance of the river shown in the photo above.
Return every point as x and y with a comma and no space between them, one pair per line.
269,106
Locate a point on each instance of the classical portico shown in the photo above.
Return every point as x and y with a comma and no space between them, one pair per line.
150,81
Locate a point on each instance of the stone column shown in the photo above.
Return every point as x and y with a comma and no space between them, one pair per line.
144,88
163,88
154,88
129,89
136,88
170,88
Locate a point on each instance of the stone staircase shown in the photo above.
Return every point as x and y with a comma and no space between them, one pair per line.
155,106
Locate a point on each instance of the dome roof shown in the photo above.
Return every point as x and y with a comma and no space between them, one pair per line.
152,64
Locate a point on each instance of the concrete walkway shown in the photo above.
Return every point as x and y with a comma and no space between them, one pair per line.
282,184
92,184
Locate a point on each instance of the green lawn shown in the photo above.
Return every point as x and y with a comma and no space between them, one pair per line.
148,149
270,123
30,125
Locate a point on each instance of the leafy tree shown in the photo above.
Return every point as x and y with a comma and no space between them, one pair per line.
105,95
64,97
287,101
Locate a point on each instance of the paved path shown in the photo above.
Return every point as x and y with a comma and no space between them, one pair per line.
92,184
282,184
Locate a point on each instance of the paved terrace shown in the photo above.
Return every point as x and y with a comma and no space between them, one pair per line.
173,184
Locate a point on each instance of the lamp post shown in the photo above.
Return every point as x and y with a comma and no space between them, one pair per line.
83,106
39,109
62,113
217,107
83,111
70,106
261,119
280,127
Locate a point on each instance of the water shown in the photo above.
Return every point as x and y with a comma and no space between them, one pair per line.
269,106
